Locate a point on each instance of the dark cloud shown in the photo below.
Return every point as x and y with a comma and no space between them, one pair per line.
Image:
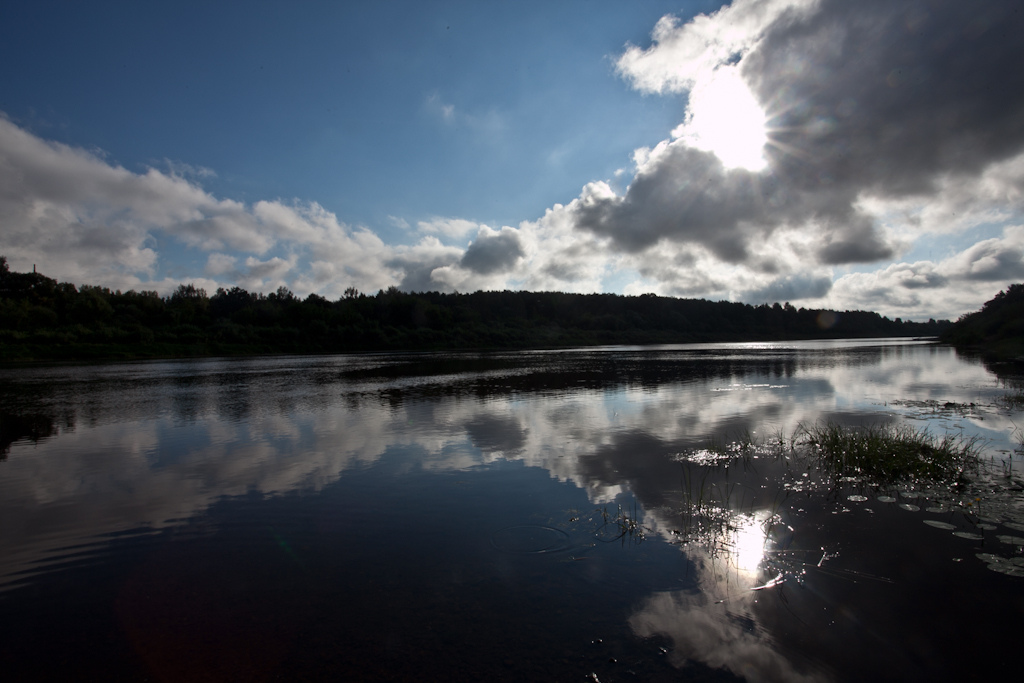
878,97
684,195
417,270
493,252
792,288
492,433
855,241
565,271
886,96
925,280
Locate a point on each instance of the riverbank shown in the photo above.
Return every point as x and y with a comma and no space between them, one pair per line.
43,320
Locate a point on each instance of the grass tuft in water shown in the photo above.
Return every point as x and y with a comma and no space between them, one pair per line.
1012,401
628,524
889,453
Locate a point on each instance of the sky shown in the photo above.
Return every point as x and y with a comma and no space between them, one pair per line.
831,154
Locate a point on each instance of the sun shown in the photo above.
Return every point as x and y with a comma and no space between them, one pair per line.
724,118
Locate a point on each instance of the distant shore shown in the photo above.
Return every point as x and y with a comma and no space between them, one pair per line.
43,320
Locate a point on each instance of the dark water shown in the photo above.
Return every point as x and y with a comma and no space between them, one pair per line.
541,516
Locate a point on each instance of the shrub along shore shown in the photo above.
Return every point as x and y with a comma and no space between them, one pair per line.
41,319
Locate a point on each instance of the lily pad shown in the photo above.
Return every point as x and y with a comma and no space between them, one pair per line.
857,498
1003,565
940,525
886,499
909,507
1009,569
1011,540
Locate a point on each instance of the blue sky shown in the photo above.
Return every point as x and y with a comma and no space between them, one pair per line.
488,111
759,151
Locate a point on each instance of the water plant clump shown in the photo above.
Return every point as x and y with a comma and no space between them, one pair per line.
889,453
1012,400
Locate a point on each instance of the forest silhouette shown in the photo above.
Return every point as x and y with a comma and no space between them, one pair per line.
42,319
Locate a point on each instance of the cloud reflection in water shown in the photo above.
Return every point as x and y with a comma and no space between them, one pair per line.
156,449
715,622
144,445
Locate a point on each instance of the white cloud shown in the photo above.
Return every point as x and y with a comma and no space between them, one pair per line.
858,170
943,289
443,109
399,222
80,218
220,264
957,203
265,275
183,170
682,55
449,227
848,180
559,258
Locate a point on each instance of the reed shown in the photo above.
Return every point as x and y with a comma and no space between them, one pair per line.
889,453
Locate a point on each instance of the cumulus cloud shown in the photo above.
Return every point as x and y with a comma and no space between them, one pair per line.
560,258
419,262
790,288
81,218
493,260
220,264
885,97
943,289
820,137
684,54
263,275
682,194
876,132
493,251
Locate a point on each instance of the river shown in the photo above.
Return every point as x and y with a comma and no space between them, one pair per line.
611,514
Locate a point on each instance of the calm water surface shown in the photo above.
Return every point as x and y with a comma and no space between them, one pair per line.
532,516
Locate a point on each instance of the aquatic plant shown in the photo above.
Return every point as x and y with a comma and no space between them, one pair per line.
1012,400
626,522
888,453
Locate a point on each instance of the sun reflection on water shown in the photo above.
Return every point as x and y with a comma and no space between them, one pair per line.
748,546
730,548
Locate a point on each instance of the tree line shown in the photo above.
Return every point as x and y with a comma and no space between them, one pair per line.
41,319
996,330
